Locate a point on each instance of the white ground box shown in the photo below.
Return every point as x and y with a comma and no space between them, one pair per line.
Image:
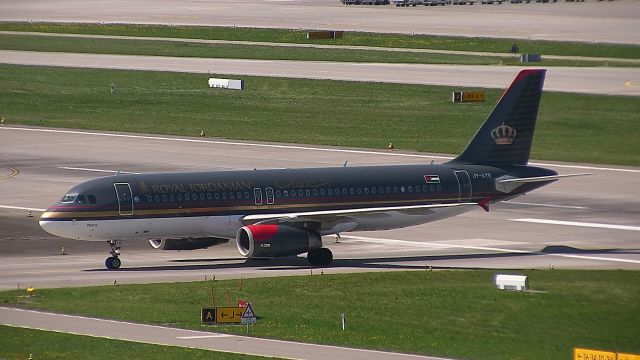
511,282
226,83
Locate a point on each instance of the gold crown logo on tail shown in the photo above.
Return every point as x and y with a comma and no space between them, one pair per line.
503,134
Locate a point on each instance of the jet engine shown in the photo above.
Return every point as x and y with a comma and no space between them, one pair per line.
276,241
186,243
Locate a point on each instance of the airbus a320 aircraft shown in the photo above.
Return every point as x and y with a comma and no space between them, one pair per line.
284,212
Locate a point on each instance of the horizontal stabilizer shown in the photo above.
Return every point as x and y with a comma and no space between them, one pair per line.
540,178
508,184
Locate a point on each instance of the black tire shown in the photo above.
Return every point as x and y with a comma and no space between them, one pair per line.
324,256
320,257
112,263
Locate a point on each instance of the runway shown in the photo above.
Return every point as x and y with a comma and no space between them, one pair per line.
591,21
581,223
600,80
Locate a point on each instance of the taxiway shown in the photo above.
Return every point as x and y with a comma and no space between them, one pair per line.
590,80
591,21
585,222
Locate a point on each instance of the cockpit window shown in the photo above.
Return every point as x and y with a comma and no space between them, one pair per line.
92,199
68,198
80,199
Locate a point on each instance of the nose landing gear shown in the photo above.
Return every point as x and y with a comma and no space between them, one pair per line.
113,262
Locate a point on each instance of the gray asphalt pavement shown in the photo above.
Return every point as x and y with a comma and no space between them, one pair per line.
566,224
590,21
601,80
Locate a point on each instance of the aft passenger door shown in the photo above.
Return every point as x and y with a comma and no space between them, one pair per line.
125,199
464,185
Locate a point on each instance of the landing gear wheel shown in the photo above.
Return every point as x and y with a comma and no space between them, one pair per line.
112,263
320,257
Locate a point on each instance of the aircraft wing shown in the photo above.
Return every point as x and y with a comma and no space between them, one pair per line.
334,217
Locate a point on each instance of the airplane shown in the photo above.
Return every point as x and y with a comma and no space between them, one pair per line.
285,212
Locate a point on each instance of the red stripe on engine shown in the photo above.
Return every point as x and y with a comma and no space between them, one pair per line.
263,232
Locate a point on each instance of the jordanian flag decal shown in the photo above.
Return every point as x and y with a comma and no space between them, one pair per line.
432,179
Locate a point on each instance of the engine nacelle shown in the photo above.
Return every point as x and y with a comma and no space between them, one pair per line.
276,241
186,243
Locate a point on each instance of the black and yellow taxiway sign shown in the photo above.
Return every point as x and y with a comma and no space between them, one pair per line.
590,354
229,314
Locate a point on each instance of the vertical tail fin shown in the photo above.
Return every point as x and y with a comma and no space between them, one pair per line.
505,137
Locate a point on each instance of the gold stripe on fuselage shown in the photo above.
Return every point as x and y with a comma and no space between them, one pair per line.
186,211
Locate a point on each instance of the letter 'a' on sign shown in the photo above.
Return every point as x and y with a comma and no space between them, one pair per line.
208,315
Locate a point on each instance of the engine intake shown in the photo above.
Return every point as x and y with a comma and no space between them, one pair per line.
186,243
276,241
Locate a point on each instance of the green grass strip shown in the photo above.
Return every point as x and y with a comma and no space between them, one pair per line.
234,51
571,127
237,51
455,314
350,38
19,343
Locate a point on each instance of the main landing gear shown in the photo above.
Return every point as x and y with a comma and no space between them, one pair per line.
113,262
320,257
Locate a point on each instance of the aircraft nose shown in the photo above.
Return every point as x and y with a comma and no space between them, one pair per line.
51,226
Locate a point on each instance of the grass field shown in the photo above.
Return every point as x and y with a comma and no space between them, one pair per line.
233,51
341,113
446,313
350,38
19,343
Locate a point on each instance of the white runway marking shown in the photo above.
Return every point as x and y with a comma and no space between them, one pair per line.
546,205
439,245
21,208
297,147
579,224
486,248
596,258
96,170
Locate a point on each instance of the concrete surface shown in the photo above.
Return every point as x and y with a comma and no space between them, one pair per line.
591,21
600,80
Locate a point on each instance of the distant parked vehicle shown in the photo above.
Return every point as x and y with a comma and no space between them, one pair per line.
435,2
407,2
365,2
520,1
463,2
491,1
546,1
